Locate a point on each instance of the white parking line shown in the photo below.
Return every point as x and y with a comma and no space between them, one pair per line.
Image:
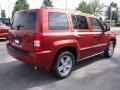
2,43
2,46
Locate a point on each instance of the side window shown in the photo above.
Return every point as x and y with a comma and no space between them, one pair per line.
96,25
57,21
74,20
82,22
79,22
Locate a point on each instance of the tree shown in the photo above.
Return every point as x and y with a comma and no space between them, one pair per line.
114,14
84,7
20,5
96,7
47,3
3,14
93,7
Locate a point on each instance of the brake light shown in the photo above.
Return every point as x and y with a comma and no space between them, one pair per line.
37,42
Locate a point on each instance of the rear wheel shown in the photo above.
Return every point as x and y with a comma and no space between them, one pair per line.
110,50
64,64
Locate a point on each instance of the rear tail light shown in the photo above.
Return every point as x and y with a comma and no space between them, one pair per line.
37,42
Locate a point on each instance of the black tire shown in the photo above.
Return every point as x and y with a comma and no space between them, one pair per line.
107,52
58,61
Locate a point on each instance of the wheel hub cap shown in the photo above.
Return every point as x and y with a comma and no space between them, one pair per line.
65,65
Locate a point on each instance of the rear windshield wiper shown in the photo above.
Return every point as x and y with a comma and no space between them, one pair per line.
19,26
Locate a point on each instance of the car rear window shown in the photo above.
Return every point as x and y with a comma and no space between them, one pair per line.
57,21
24,20
1,24
5,21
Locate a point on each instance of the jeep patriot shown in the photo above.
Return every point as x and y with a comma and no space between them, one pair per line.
55,39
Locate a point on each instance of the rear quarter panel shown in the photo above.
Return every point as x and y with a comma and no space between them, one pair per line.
53,40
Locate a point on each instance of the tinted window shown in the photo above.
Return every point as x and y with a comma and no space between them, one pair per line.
1,24
24,20
1,20
57,21
74,20
96,24
5,21
79,22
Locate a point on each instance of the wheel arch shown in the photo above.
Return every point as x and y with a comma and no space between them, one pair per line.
71,49
114,40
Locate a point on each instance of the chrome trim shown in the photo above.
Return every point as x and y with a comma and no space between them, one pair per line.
99,45
94,46
43,52
86,48
91,56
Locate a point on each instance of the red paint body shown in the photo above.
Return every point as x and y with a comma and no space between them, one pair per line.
4,30
86,42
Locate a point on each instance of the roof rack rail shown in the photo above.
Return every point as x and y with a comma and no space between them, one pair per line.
75,11
46,7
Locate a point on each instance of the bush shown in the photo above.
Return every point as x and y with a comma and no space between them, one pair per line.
117,24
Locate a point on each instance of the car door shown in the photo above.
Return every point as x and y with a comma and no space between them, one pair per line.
99,36
82,34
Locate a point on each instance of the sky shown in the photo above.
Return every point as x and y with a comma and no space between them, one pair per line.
71,4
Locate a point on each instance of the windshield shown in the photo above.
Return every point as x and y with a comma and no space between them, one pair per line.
1,24
24,20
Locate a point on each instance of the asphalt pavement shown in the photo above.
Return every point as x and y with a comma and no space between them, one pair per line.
97,73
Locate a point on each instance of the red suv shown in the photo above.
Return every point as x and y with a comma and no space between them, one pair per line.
4,30
55,39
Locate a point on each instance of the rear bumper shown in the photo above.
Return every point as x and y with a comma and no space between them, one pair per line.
43,59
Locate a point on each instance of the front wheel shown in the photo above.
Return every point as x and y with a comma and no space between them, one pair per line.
110,50
64,64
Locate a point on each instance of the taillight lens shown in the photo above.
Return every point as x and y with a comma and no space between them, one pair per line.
37,42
